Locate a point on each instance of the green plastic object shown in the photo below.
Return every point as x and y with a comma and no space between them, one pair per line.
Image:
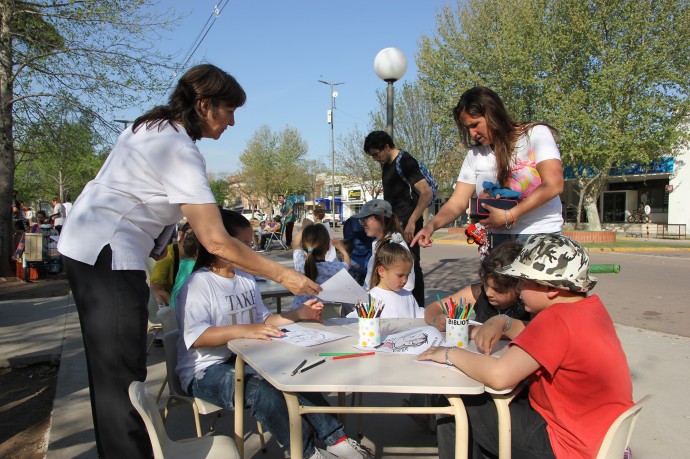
604,268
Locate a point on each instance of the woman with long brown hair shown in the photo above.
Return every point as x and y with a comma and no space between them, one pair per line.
518,156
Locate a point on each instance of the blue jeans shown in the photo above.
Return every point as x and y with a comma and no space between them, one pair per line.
216,385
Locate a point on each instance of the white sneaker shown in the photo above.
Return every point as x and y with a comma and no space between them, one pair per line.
350,449
321,454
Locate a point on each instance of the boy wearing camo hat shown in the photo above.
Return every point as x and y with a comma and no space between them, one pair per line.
579,380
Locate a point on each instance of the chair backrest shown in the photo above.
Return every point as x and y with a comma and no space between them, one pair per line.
167,318
618,435
146,406
331,311
170,347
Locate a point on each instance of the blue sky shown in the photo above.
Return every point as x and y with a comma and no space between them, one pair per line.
278,49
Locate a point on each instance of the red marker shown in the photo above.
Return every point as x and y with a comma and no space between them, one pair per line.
353,355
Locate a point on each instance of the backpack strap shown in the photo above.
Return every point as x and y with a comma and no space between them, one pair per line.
398,169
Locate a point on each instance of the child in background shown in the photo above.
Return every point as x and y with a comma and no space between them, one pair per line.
311,260
392,266
579,380
190,248
219,303
379,222
494,296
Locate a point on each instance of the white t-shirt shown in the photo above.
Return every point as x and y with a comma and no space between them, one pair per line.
326,270
370,265
531,149
68,207
209,300
136,194
59,209
397,305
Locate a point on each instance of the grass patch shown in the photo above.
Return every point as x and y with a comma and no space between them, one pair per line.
637,245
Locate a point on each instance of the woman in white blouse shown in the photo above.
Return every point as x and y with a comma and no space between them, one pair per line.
154,175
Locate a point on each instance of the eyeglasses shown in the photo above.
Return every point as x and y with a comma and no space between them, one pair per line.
374,154
363,220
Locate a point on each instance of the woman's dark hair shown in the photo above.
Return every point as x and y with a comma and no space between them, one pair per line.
388,253
204,81
482,101
233,222
320,212
390,225
190,245
499,257
315,242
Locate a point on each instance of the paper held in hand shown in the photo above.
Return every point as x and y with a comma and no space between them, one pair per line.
342,288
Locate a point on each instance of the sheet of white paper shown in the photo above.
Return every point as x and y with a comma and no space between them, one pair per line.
413,341
303,336
342,288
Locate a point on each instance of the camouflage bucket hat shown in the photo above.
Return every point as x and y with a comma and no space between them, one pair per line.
553,260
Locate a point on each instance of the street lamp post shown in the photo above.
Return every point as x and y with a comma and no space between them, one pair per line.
330,121
390,65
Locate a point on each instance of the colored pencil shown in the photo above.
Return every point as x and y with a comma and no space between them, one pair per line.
353,355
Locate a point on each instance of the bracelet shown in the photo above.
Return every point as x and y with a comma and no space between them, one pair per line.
448,362
505,216
509,323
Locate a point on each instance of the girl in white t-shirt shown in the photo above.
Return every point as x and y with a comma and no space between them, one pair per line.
311,259
519,156
219,303
392,266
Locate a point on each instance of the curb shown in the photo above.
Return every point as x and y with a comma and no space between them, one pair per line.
29,360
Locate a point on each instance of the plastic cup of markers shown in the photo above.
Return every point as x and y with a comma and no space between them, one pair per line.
458,332
369,332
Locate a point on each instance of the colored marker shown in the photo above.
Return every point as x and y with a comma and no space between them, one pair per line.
312,365
336,354
353,355
294,372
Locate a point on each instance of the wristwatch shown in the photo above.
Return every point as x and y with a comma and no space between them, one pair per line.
448,362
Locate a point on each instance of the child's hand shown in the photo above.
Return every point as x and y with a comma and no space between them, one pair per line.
310,310
338,244
258,331
488,334
437,354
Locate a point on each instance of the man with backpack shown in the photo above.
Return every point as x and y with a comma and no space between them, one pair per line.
408,187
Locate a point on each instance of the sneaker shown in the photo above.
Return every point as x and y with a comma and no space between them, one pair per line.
260,251
321,454
350,449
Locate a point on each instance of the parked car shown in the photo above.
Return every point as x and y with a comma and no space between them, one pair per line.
251,214
329,217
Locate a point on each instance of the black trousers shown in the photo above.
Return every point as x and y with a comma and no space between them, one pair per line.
288,233
529,437
418,291
113,314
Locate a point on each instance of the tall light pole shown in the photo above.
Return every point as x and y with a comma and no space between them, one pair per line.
390,65
329,118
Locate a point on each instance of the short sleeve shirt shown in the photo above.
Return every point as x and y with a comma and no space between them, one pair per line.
326,270
584,381
208,300
396,191
137,193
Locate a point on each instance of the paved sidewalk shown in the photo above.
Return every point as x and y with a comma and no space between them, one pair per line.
41,329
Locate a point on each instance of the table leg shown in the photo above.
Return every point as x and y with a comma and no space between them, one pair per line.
239,405
295,417
461,426
502,402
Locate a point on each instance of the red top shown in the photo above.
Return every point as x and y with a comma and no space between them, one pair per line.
584,381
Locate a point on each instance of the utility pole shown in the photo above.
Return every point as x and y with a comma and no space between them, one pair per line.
330,121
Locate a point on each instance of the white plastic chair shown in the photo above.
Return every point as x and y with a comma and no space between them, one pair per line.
177,395
154,324
168,320
212,447
618,436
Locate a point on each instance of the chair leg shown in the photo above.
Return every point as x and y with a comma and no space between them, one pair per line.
160,391
196,420
260,429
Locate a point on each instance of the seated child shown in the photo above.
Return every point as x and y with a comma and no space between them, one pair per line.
311,259
219,303
190,247
273,226
494,296
392,266
579,380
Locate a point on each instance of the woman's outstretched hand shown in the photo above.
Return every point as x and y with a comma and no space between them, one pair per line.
423,237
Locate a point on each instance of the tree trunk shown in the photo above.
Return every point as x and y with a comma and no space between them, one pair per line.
593,222
7,165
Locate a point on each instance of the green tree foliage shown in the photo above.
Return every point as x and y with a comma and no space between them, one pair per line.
220,186
274,163
352,162
96,55
613,76
417,133
58,158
